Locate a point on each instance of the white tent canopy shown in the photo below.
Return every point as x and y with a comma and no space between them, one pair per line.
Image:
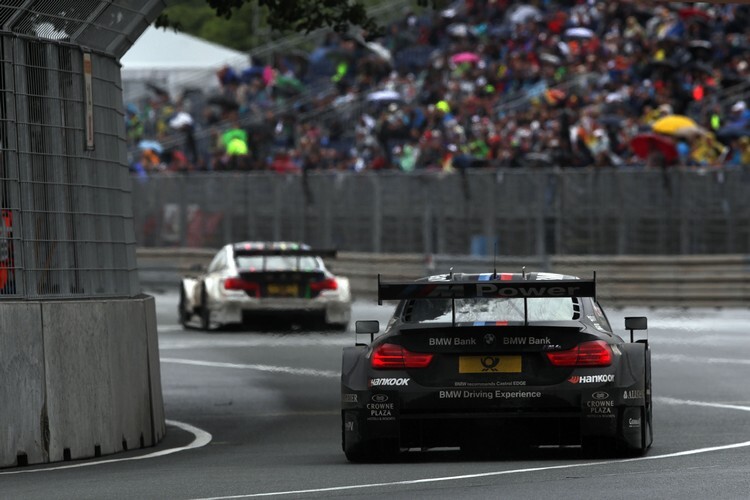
175,61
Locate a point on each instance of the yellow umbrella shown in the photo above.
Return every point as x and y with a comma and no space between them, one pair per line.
673,124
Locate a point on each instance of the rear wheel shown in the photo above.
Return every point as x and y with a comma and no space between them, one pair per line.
182,313
372,450
645,432
205,311
610,446
366,450
600,447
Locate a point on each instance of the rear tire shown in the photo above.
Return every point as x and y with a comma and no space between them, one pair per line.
372,451
645,433
205,311
182,314
368,450
611,447
600,447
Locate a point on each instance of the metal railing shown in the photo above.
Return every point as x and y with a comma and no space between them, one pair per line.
66,221
521,212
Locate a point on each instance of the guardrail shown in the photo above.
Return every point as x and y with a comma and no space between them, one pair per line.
649,281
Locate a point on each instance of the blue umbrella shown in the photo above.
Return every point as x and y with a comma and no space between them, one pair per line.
154,146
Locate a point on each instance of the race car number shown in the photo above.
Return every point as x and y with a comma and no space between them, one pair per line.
489,364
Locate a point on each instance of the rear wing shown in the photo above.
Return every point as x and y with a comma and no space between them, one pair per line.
297,252
491,289
263,253
494,289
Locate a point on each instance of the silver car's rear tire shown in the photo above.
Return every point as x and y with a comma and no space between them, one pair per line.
182,314
205,311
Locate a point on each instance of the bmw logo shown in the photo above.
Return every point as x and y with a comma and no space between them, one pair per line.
380,398
489,339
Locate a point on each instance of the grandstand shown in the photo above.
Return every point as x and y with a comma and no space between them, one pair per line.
478,84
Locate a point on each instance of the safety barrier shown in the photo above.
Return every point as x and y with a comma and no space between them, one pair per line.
78,350
478,211
647,280
80,379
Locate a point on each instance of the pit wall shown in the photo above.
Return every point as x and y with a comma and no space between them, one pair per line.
80,379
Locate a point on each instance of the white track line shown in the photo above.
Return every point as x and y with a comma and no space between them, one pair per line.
262,368
202,438
673,401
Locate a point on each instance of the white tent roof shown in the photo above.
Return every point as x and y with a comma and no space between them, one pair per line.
158,48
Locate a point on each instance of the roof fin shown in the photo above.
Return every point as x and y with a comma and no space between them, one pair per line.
494,263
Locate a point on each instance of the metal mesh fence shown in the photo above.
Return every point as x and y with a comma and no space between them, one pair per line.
108,27
66,220
67,216
522,212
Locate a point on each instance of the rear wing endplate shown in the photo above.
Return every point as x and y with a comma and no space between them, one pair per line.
494,289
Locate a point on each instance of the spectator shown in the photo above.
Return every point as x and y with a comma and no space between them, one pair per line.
574,85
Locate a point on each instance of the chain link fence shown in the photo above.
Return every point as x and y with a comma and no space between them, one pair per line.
66,219
519,212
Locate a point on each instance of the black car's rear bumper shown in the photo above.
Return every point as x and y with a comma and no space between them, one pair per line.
548,418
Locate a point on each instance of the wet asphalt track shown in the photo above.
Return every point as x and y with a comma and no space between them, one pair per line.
270,402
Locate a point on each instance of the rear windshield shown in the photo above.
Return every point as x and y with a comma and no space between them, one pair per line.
467,310
277,263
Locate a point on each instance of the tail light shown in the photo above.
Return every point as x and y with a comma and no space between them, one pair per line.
595,353
391,356
326,284
240,284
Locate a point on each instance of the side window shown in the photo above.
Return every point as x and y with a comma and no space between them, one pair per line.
218,262
601,318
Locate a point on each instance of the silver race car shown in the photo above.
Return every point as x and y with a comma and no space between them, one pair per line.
253,282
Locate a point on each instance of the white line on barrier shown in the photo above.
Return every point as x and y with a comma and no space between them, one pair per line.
202,438
261,368
302,340
517,471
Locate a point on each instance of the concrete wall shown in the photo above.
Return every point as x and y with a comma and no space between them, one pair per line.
22,387
622,280
80,379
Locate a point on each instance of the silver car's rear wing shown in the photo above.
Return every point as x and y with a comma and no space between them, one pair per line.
295,252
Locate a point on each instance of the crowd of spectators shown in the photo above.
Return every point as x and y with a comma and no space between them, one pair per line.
483,83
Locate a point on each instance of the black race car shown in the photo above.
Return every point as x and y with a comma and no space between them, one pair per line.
491,362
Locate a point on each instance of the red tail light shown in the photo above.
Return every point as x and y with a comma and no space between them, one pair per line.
240,284
326,284
596,353
391,356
